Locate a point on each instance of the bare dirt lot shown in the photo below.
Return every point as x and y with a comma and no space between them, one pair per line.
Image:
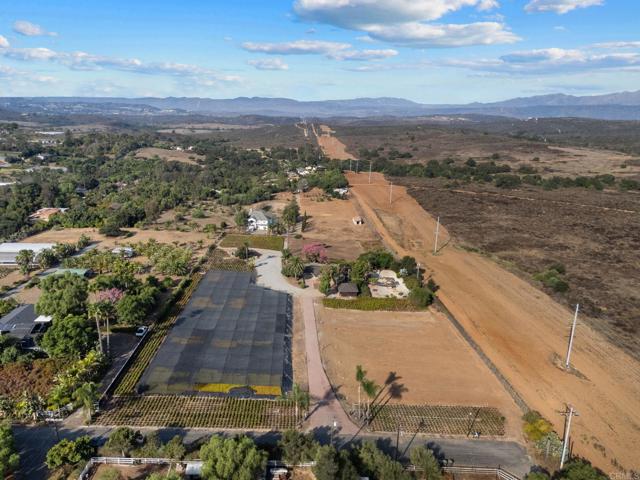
331,223
331,146
71,235
421,143
129,472
170,155
434,363
522,330
592,233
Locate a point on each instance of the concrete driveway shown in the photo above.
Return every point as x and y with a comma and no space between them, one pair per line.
269,274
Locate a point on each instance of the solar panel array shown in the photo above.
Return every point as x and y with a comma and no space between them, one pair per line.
231,333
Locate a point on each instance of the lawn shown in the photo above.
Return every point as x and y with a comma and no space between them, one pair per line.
267,242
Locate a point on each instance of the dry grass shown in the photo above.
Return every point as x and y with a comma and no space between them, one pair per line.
170,155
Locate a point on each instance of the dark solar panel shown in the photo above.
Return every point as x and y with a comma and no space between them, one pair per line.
231,333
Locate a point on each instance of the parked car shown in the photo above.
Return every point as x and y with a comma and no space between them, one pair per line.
141,331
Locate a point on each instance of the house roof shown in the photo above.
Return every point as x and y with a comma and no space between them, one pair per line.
348,287
261,216
16,247
21,322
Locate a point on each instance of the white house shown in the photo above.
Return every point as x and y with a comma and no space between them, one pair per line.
9,251
260,220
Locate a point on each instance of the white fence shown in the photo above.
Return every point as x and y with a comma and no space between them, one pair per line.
123,461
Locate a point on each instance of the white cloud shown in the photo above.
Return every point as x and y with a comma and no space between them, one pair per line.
298,47
415,34
269,64
4,43
359,13
608,45
551,61
408,23
29,29
559,6
86,61
362,55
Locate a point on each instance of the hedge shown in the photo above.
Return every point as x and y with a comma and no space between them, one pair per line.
372,304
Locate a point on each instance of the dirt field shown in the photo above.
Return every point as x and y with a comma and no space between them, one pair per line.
434,363
331,146
428,142
522,330
170,155
593,234
331,223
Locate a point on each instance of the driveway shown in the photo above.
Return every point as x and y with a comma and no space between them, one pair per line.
268,274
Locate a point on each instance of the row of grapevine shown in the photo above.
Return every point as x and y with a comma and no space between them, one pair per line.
439,419
200,412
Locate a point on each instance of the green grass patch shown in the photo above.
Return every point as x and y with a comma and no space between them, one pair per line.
372,304
553,278
267,242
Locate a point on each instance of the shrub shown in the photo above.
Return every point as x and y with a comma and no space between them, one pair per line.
421,297
9,458
232,459
297,447
69,452
371,304
552,278
536,426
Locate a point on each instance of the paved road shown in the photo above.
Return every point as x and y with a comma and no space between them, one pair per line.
34,442
325,407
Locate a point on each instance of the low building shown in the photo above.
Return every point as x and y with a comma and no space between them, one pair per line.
9,251
126,252
23,324
260,220
45,214
348,289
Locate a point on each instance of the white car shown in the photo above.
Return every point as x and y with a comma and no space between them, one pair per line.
141,331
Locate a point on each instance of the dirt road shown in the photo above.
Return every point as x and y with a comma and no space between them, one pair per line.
522,330
331,146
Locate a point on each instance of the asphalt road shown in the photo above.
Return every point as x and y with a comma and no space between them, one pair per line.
34,442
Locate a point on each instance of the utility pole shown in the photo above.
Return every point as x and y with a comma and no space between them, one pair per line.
370,166
435,245
573,331
357,164
567,434
390,191
418,271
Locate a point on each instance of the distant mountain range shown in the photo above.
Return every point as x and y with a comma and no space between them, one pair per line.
614,106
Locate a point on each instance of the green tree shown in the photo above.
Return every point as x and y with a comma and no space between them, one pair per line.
423,458
378,465
86,395
325,282
174,448
63,295
232,459
243,251
297,447
421,297
24,259
9,458
69,452
122,440
326,466
83,242
241,218
46,258
72,336
580,469
163,476
131,309
291,213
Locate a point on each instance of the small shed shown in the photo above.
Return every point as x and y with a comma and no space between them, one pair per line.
348,289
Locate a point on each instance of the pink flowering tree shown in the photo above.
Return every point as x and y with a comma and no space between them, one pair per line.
315,252
112,295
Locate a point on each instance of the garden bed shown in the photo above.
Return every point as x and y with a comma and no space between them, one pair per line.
372,304
440,419
200,412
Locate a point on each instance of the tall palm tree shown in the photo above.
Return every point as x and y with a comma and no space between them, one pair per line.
86,394
370,389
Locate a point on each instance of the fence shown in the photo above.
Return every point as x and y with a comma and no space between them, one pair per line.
122,461
500,473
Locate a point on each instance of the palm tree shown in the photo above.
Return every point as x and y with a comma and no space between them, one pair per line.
296,267
100,311
370,389
86,394
300,398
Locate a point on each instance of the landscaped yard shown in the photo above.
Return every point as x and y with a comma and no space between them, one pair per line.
267,242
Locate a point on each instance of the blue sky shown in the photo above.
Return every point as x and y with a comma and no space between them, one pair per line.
431,51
